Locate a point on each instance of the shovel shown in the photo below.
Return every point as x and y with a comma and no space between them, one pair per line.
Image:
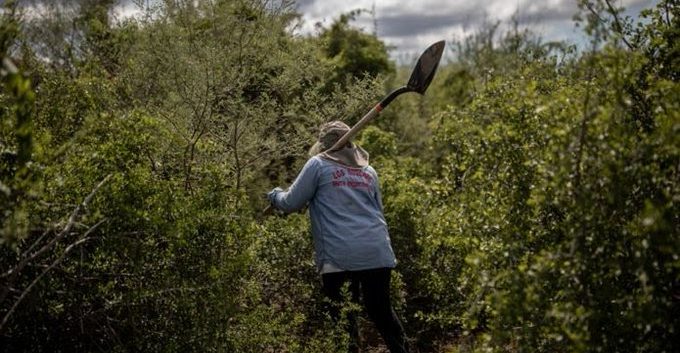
420,79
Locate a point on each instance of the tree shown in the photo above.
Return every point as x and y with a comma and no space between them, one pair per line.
167,153
353,53
16,130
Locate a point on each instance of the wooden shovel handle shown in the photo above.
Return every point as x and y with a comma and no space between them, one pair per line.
357,127
368,117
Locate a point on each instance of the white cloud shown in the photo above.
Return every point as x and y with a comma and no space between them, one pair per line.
127,10
411,25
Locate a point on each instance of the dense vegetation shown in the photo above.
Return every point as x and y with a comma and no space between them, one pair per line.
532,195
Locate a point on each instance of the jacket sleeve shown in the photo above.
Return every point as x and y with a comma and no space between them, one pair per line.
378,193
300,192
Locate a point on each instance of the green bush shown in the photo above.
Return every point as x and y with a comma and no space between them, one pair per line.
531,195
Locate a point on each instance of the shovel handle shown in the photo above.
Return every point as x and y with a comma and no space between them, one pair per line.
358,126
368,117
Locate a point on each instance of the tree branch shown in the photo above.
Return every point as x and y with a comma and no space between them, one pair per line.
13,273
64,232
85,237
618,27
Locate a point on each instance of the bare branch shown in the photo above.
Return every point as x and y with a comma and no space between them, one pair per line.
64,232
13,273
618,27
594,12
47,231
85,237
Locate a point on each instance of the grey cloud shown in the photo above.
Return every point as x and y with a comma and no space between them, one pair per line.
397,21
546,13
637,4
303,4
397,9
411,24
543,12
403,24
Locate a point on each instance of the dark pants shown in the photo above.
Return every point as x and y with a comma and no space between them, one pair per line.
374,288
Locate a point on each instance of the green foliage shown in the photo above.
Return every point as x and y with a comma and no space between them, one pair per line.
531,194
151,166
378,142
353,53
532,236
16,147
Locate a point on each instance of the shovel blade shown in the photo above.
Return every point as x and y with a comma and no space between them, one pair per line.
425,68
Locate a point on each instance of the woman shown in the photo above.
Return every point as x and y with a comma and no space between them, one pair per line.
351,240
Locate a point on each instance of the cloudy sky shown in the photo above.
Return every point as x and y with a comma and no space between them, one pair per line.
411,25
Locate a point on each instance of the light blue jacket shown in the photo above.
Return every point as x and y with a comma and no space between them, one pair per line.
346,212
